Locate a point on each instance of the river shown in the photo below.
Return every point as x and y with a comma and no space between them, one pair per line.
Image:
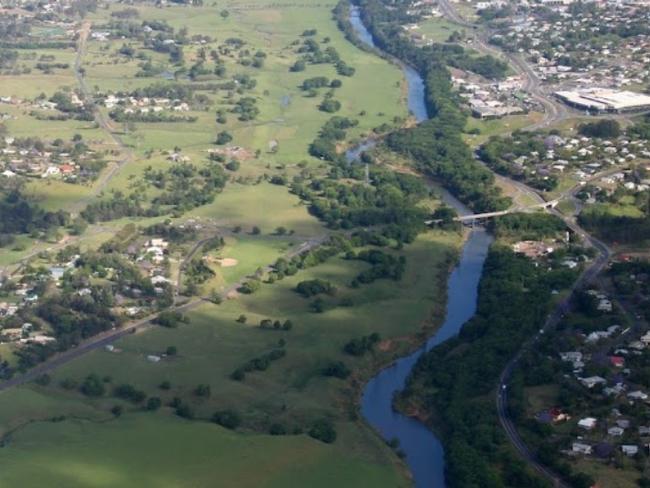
423,450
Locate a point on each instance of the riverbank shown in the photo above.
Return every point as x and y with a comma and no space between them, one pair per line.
452,386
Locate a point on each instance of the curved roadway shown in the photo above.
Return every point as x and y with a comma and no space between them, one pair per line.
554,112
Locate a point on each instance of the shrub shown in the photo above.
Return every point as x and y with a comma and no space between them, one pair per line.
323,430
92,386
227,418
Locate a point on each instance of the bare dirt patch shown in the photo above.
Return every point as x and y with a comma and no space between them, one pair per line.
227,262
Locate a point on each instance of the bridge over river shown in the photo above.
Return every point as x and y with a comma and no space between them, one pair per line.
473,218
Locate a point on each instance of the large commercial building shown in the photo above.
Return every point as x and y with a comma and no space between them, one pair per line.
605,100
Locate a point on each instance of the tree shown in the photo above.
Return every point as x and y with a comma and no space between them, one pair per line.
202,390
233,165
171,350
224,14
277,429
298,66
330,105
336,369
323,430
229,419
93,386
318,305
129,392
153,403
165,385
185,411
310,288
223,137
605,128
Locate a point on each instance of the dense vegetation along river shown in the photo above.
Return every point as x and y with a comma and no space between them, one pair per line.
424,453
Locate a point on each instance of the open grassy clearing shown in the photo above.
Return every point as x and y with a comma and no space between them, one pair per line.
438,29
496,127
155,451
244,255
33,84
609,475
265,205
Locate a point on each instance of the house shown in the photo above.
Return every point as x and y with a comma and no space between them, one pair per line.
617,361
132,311
623,423
593,381
587,423
637,395
645,338
615,390
615,431
51,171
558,415
156,280
581,448
630,450
57,272
604,305
571,356
66,169
644,431
162,243
38,339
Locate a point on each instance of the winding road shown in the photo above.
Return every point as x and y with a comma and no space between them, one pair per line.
553,112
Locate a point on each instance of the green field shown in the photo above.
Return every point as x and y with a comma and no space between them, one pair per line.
438,29
54,436
505,125
131,450
140,451
214,344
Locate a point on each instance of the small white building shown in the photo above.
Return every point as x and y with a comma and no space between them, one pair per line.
615,431
587,423
581,448
630,450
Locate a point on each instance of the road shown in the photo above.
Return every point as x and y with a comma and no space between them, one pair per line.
588,275
100,118
101,340
554,112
